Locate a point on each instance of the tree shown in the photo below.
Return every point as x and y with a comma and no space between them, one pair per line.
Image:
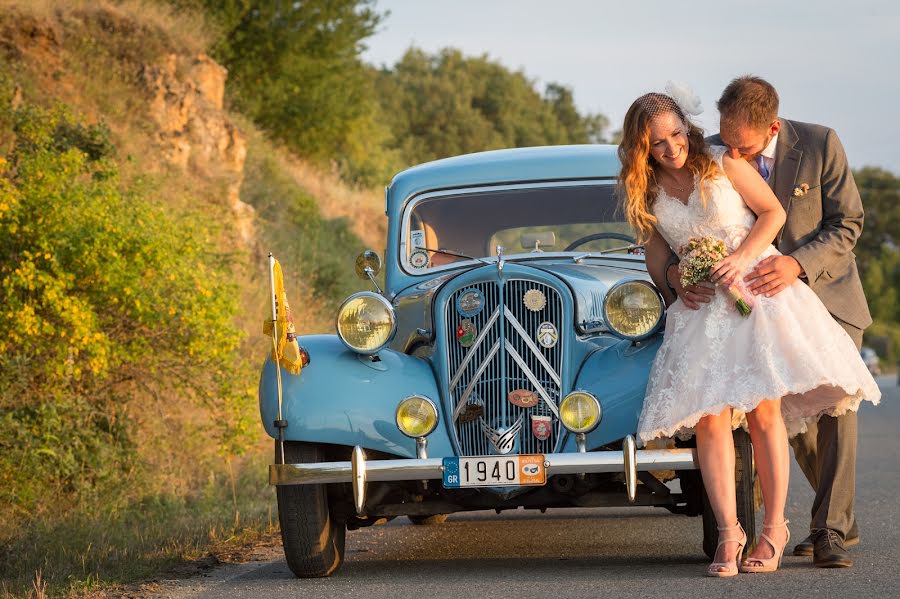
878,252
295,69
880,192
577,129
446,104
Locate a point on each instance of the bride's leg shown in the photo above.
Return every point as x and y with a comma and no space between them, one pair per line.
770,447
715,450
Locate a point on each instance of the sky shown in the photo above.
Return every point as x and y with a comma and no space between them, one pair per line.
833,63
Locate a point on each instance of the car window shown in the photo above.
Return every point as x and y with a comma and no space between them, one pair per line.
521,220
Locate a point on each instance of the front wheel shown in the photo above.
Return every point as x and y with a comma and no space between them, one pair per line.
746,493
313,540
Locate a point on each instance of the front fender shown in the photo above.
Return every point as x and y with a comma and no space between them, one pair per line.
343,398
617,375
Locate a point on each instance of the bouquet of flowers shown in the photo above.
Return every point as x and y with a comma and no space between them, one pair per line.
700,254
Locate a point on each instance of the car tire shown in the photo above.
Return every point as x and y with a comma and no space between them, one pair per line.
313,540
746,493
428,520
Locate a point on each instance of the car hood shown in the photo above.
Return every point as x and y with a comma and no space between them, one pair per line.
590,283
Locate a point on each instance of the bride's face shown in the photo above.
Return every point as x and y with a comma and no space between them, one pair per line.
668,140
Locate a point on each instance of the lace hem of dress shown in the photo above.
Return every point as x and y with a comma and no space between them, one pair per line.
684,429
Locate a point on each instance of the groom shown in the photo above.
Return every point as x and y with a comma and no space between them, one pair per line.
806,167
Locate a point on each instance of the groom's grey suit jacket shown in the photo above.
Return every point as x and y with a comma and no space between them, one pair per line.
823,223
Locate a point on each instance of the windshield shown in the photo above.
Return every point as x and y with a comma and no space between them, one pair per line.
449,229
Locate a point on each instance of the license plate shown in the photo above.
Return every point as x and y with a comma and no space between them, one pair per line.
494,471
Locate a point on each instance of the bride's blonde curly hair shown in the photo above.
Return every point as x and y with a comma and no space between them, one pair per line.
637,178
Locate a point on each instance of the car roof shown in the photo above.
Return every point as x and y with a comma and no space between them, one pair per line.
544,163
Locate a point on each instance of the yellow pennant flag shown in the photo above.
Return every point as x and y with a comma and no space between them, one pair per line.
285,351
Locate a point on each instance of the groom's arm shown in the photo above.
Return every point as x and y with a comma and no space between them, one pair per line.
840,227
842,216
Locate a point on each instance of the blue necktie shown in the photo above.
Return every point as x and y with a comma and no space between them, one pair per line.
762,167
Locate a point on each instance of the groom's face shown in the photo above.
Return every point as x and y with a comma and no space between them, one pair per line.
747,142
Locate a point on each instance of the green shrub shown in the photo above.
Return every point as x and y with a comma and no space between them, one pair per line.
104,297
315,251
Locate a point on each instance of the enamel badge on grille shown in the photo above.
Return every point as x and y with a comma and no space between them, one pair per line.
541,427
523,398
535,300
465,333
470,303
470,413
547,335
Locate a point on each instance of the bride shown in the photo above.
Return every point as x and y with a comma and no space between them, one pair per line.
778,368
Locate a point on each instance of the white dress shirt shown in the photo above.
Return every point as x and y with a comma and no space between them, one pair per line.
768,154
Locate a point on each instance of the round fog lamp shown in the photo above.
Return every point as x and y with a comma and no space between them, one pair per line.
366,322
580,412
633,309
416,416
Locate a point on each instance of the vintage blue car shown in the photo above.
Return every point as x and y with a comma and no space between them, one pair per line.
503,365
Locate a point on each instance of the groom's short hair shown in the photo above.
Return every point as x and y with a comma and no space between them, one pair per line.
748,100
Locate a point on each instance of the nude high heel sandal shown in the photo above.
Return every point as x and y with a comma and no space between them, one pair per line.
728,568
770,564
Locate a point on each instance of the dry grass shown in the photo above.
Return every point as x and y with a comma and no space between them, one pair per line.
89,55
312,315
97,550
363,208
188,30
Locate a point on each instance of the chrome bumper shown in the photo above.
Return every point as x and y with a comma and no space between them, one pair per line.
359,471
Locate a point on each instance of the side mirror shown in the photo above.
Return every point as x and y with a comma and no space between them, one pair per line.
368,265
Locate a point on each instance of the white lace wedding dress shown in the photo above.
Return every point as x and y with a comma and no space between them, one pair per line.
788,347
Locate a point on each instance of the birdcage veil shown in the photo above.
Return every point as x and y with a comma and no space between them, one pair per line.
678,98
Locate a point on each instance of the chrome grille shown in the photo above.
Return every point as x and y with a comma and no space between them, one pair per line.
505,356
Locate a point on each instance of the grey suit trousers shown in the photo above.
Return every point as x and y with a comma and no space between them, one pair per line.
826,453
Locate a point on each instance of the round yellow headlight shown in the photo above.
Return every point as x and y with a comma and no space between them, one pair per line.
580,412
366,322
416,416
633,309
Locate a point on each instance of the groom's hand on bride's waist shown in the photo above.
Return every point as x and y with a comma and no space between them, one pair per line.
773,275
692,296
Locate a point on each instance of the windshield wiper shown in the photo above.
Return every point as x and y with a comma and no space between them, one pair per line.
451,253
624,248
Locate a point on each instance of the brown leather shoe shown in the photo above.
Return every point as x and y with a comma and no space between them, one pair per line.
829,550
805,547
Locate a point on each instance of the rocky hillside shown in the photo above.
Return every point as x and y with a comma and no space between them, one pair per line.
144,73
136,209
185,98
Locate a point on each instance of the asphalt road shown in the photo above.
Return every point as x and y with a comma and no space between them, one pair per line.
600,552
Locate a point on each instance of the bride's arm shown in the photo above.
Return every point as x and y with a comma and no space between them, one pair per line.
770,218
656,254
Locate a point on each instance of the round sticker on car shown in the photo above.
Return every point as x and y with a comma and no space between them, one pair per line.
470,303
534,300
418,259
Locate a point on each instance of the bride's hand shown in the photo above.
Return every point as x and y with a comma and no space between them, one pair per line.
729,269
